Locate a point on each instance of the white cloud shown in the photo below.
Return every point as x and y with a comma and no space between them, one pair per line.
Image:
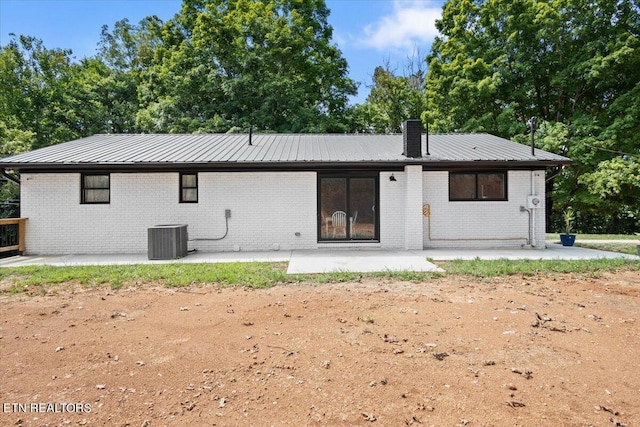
411,23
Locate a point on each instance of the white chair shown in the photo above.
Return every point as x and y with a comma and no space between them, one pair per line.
339,220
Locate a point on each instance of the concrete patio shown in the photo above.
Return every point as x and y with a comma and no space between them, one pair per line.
329,260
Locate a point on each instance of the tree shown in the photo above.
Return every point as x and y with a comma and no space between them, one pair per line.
394,99
33,83
573,64
46,98
224,64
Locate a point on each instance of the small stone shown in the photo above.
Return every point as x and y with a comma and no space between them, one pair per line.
101,386
59,349
369,417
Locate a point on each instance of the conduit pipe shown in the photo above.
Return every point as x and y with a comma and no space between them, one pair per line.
426,211
227,215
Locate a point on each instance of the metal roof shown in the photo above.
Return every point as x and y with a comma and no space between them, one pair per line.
272,150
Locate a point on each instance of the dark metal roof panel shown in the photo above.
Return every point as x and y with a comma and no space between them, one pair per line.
274,148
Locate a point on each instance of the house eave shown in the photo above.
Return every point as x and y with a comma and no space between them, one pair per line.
391,165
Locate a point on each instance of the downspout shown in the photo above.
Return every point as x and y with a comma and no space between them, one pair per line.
532,215
9,177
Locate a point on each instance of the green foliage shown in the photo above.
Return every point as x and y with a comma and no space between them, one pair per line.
14,141
573,64
569,217
220,64
217,65
9,197
394,99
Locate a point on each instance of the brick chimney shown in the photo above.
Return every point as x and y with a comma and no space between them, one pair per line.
412,135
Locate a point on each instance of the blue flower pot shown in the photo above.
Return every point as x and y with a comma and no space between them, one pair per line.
567,239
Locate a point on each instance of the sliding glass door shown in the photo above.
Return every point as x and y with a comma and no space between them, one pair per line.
347,207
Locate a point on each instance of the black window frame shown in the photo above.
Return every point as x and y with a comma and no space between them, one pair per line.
84,189
183,187
477,197
375,176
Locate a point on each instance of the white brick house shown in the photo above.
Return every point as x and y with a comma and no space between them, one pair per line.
101,194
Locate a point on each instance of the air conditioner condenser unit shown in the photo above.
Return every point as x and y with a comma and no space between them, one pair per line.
167,241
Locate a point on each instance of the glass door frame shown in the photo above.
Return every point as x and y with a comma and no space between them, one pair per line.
375,176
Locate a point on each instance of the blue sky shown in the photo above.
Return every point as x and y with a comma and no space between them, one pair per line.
368,32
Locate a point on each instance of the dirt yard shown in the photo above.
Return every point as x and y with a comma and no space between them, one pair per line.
513,351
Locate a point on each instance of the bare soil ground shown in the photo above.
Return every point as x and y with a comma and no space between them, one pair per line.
513,351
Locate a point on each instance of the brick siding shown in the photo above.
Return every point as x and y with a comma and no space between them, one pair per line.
268,209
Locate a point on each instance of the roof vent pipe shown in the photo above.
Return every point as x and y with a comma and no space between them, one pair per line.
412,137
533,123
250,133
427,137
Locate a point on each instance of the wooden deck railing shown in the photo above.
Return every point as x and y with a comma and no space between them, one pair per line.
12,234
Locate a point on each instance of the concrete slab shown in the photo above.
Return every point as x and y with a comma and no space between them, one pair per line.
328,260
130,259
553,251
358,260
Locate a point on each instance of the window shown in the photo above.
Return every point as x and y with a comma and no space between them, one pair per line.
467,186
94,188
188,188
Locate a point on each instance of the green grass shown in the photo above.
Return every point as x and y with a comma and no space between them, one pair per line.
625,248
255,275
38,279
556,236
503,267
